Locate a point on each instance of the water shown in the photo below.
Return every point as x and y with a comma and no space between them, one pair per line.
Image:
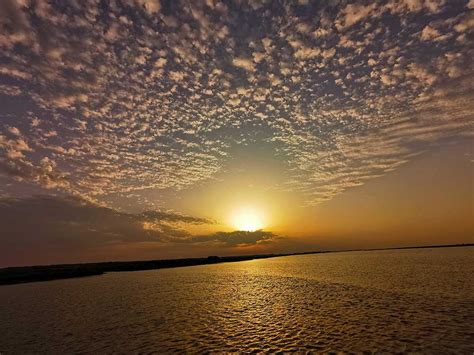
388,301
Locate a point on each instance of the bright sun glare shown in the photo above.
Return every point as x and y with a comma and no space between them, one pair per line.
247,219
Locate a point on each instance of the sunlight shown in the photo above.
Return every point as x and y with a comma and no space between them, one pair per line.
247,219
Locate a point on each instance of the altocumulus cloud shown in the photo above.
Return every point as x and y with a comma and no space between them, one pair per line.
72,226
119,97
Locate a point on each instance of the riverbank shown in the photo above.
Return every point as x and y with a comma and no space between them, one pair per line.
23,274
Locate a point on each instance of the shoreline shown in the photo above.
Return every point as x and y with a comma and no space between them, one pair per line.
26,274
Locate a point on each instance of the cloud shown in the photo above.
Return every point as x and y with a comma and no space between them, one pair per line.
71,228
244,63
429,33
328,53
307,53
151,6
466,23
236,238
150,97
15,131
160,63
16,165
354,13
172,217
74,226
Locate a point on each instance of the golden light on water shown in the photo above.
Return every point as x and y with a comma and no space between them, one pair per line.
247,219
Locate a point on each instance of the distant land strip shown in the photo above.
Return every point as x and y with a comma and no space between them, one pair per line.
23,274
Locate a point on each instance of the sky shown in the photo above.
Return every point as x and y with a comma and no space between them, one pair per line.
153,129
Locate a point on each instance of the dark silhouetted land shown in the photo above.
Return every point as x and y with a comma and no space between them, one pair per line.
14,275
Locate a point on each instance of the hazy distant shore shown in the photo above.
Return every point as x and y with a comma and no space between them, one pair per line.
23,274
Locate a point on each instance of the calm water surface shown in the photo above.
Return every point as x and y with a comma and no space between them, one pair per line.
388,301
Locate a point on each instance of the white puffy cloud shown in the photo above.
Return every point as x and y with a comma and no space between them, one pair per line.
429,33
244,63
152,6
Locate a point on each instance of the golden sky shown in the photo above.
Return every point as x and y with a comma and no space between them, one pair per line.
159,129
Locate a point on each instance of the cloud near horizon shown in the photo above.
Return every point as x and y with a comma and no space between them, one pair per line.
237,238
73,226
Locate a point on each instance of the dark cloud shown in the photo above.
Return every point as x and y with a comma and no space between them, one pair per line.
152,216
236,238
74,227
44,174
67,224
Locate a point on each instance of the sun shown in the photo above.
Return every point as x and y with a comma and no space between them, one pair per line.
247,219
